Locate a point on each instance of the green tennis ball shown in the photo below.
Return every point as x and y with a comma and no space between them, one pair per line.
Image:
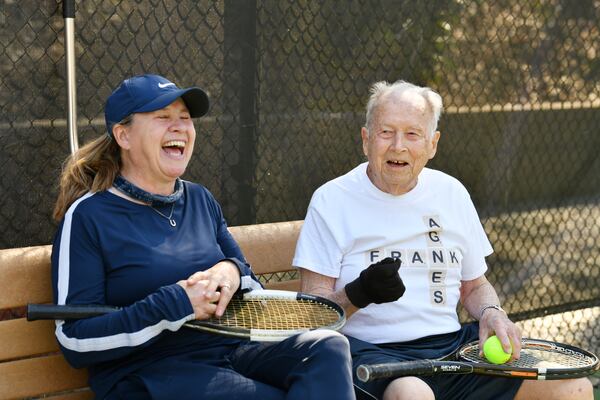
493,351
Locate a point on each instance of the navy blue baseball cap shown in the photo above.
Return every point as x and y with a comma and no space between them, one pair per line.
145,93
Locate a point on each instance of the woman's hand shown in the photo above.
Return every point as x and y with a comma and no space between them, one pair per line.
201,297
217,285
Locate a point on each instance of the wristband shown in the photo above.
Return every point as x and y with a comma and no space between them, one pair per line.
488,306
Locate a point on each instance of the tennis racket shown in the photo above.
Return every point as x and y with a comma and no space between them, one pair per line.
260,315
539,359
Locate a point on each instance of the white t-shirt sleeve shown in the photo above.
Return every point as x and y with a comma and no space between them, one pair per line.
317,249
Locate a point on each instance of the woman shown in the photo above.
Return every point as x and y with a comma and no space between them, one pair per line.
134,235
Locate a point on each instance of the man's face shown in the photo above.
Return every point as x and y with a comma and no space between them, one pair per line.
398,144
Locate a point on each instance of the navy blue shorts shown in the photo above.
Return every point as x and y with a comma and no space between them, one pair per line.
451,387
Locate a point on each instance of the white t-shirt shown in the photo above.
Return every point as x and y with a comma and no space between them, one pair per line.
434,229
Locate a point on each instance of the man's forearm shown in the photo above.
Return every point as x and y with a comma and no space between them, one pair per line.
477,294
340,298
324,286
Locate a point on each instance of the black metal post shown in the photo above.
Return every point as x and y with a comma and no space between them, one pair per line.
240,93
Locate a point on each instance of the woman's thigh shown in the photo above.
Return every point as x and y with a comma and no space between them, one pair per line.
188,378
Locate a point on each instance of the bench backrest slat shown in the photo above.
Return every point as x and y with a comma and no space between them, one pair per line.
268,247
20,338
25,276
32,376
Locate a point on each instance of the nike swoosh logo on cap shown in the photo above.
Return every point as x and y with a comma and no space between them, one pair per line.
164,85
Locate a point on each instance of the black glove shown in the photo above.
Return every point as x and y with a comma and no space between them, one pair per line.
379,283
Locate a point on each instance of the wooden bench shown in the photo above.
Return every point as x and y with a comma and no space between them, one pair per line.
31,365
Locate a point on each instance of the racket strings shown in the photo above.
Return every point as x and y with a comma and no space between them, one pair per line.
276,314
533,357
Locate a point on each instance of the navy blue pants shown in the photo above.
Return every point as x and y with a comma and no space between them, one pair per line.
451,387
312,365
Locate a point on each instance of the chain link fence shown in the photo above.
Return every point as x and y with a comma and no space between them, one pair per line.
288,82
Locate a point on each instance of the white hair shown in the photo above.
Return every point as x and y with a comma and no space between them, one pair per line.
382,89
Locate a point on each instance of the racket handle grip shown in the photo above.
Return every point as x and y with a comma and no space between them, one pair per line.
50,311
368,373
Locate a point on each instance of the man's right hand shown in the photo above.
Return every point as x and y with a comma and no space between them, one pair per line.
379,283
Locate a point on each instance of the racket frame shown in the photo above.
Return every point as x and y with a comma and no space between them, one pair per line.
68,312
459,363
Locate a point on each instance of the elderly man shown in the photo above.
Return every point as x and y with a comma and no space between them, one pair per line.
392,211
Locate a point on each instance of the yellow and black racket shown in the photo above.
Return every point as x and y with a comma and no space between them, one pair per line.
261,315
539,359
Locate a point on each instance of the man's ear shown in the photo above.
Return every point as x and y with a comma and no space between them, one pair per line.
364,134
121,135
434,143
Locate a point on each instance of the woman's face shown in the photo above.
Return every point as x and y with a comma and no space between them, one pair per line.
156,147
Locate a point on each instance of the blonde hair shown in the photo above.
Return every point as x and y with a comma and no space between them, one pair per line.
92,168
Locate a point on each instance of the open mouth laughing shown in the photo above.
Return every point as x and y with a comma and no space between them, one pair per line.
174,147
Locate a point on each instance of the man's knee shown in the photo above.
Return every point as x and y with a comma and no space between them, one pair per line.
571,389
409,387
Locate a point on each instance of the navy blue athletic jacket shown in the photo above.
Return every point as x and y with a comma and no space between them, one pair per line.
111,251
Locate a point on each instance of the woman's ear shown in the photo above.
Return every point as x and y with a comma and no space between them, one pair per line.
121,136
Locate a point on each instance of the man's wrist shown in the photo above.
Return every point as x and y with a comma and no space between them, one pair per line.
356,294
486,307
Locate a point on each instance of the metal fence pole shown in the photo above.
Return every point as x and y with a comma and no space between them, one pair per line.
241,88
69,17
